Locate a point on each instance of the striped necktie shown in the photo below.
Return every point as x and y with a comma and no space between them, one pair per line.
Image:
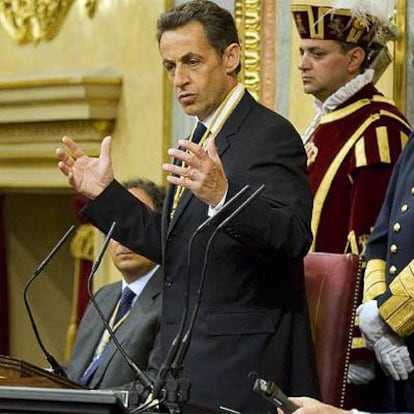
125,303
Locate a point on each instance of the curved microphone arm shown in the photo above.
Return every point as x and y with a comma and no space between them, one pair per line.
172,352
140,375
54,365
182,351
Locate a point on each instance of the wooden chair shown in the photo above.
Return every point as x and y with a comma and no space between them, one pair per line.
332,286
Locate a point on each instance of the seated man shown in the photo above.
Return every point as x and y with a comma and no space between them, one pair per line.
95,360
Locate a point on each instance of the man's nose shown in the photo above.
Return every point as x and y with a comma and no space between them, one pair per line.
304,63
180,76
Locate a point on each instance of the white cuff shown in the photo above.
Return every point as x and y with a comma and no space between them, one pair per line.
212,211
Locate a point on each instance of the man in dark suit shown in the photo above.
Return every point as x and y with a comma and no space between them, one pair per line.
253,313
96,361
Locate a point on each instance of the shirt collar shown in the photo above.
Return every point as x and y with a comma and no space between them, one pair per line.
138,285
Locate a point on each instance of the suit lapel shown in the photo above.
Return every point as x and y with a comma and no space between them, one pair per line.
223,141
107,304
135,319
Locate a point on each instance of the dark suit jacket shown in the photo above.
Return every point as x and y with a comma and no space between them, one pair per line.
253,314
136,335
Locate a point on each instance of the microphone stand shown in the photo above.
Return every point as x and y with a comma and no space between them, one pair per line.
54,365
177,388
182,351
166,366
138,373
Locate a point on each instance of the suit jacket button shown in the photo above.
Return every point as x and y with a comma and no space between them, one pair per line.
393,248
168,282
404,208
397,227
393,270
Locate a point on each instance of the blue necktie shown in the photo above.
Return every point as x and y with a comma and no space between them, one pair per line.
198,132
124,305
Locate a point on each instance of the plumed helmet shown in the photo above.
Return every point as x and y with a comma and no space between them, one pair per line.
366,23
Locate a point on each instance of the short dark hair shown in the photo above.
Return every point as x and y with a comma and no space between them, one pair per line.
155,192
219,25
347,46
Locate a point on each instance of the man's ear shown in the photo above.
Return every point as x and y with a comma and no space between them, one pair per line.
231,57
356,59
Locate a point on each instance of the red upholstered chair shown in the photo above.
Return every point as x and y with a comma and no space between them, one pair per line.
332,285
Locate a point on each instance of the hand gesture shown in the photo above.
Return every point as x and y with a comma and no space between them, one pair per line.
87,175
202,171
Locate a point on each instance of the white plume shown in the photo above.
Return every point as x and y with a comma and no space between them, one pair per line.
382,10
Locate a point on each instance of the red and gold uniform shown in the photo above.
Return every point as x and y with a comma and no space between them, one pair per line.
357,146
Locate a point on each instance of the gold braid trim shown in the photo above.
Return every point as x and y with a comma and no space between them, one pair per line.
81,248
326,182
374,279
360,154
398,310
383,144
404,139
358,343
330,174
344,112
352,243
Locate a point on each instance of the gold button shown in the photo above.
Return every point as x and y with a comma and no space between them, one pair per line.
412,190
404,208
397,227
393,248
393,270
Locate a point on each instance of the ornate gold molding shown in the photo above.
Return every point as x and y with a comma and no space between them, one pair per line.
33,20
37,141
248,15
36,110
167,108
400,52
268,54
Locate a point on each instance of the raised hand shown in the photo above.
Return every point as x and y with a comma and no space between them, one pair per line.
203,172
87,175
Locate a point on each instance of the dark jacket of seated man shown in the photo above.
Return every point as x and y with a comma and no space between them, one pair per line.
96,362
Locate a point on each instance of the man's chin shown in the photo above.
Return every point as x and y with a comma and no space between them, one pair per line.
308,90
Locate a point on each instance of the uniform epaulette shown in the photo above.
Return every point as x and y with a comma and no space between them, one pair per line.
379,145
397,308
374,279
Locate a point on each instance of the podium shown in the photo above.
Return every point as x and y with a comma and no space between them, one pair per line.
35,400
16,372
26,388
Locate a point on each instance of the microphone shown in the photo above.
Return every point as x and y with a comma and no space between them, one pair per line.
139,374
223,212
54,365
166,366
183,348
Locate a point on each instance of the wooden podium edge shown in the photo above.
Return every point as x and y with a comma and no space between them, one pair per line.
28,374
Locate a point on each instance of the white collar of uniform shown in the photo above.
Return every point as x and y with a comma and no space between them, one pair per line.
138,285
340,96
345,92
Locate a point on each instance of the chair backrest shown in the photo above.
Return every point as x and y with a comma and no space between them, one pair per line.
332,289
